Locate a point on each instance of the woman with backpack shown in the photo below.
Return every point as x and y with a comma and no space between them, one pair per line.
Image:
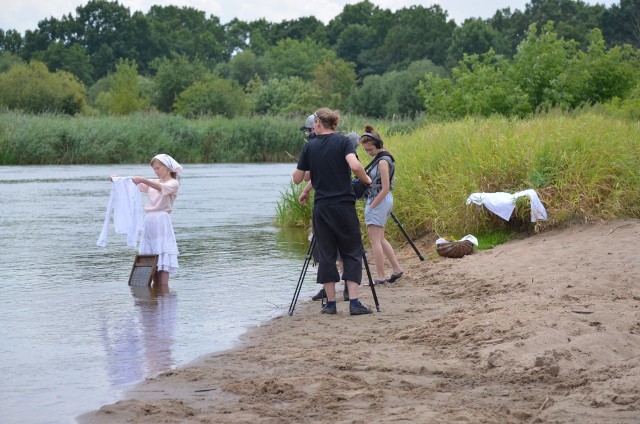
379,204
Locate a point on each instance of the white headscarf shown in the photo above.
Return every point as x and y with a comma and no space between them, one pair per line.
169,162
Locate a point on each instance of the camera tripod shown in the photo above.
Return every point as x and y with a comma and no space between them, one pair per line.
303,272
415,249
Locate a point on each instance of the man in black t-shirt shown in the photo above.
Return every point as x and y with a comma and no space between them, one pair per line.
328,160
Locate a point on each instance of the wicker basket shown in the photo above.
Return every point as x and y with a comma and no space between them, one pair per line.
455,249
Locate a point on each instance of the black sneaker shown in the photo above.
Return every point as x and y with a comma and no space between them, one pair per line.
395,277
345,293
329,309
359,309
320,295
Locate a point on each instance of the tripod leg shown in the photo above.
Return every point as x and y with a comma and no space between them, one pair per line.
303,272
407,236
373,290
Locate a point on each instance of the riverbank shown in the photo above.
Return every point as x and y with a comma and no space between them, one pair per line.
542,329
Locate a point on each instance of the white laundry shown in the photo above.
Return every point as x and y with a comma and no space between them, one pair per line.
469,237
126,204
503,204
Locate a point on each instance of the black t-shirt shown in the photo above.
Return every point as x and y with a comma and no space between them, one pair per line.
325,157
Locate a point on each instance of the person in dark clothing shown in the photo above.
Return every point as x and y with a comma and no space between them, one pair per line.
328,160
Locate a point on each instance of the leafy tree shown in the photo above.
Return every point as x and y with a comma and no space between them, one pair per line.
598,75
371,97
512,26
354,39
360,13
215,96
187,32
244,66
335,80
73,59
540,60
475,36
290,95
8,60
574,19
173,76
32,88
123,96
403,85
417,33
293,58
11,41
621,23
301,29
104,29
479,85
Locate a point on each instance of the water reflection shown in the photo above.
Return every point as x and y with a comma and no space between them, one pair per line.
141,344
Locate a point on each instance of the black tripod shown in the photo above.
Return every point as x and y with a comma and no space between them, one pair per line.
407,236
303,272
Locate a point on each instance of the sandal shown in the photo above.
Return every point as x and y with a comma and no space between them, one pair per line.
395,277
379,282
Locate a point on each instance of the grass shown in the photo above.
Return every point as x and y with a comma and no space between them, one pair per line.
60,139
585,168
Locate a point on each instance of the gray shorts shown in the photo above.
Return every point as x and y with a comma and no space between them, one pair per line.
378,215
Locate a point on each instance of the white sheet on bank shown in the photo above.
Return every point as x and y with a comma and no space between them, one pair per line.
503,204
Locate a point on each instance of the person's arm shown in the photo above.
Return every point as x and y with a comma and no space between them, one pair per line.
383,167
358,169
298,176
151,183
304,196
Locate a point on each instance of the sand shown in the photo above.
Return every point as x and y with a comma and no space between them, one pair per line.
542,329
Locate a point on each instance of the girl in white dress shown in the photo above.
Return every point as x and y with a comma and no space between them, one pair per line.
158,237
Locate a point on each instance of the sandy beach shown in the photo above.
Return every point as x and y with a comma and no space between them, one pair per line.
543,329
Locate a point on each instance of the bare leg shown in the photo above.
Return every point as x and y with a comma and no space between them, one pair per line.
376,235
391,255
330,290
161,278
353,289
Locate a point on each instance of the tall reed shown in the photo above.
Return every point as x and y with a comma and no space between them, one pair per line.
584,167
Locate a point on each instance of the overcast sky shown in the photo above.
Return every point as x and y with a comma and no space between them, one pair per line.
25,14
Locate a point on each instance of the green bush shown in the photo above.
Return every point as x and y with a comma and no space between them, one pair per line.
32,88
214,97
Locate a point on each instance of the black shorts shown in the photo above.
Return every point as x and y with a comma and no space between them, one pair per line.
337,231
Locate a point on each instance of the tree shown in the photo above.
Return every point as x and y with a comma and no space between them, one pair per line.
417,33
11,41
479,85
574,19
8,60
244,66
32,88
540,60
216,96
299,29
598,75
475,36
173,76
123,96
73,59
290,95
621,23
371,97
186,31
335,80
293,58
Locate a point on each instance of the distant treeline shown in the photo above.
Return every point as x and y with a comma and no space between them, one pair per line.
367,61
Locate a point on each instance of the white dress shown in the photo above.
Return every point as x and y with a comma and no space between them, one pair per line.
158,237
